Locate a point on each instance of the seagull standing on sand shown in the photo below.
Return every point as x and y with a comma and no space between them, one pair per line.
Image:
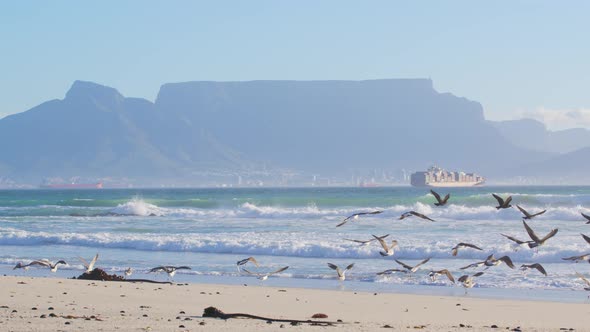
528,215
341,274
171,270
440,201
464,245
388,250
412,269
503,204
89,266
414,213
537,266
434,274
355,217
365,242
264,276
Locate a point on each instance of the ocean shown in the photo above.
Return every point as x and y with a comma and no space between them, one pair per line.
211,229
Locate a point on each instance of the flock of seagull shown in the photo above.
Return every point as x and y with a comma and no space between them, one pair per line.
467,280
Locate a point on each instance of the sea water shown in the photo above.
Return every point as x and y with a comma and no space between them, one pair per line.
211,229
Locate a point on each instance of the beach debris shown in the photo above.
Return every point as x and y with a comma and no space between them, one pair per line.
100,274
387,326
212,312
319,315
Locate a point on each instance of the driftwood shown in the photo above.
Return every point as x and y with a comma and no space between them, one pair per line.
101,275
213,312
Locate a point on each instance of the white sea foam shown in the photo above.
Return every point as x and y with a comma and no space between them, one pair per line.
137,207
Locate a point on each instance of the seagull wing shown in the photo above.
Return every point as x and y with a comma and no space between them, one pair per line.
448,274
526,214
463,278
550,235
586,216
586,237
42,262
471,265
499,199
531,233
539,267
404,265
390,271
420,215
436,195
84,262
507,260
422,262
183,268
382,242
447,196
478,274
92,262
513,239
359,241
158,269
279,270
342,223
252,273
374,212
350,266
508,200
332,266
463,244
538,213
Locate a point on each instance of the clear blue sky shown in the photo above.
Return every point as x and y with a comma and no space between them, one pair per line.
512,56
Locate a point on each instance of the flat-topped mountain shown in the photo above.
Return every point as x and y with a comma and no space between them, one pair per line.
196,129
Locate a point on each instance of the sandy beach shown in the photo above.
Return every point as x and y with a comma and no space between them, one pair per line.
51,304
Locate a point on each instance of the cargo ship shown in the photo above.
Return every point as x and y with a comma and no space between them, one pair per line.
97,185
438,177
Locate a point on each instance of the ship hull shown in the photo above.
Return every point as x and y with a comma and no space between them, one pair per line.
450,184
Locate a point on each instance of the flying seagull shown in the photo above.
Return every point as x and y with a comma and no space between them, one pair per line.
89,266
580,258
434,274
491,261
245,261
391,271
439,201
52,266
468,281
587,217
584,280
538,241
503,204
537,266
356,216
464,245
264,276
528,215
364,242
171,270
519,243
341,274
412,269
128,272
414,213
388,250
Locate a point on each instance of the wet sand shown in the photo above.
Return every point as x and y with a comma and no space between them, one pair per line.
51,304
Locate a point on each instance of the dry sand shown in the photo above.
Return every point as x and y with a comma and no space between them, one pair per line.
30,304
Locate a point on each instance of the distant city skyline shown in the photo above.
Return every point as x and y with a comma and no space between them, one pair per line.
517,58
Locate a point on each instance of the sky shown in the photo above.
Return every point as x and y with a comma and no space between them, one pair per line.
517,58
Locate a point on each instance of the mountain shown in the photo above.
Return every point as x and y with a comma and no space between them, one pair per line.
532,134
198,130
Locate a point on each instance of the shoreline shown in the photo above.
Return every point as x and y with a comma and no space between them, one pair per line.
28,303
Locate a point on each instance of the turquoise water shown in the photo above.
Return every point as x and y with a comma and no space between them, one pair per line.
210,229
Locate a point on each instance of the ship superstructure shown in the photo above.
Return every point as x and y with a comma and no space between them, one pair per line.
437,177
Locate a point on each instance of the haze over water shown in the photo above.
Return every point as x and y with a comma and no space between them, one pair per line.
210,229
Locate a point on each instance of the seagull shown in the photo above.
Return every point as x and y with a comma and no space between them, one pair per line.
388,250
576,259
440,202
537,266
587,217
356,216
365,242
491,261
537,241
519,243
52,267
414,213
341,274
528,215
434,274
264,276
391,271
128,272
246,260
89,266
171,270
586,237
20,265
412,269
584,280
468,281
503,204
464,245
